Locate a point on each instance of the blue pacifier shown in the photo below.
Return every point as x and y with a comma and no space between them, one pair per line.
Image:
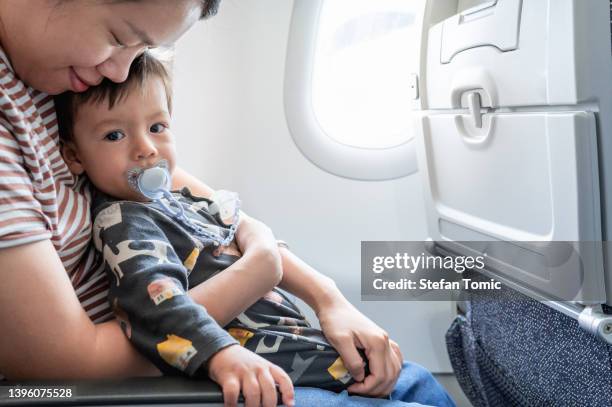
152,181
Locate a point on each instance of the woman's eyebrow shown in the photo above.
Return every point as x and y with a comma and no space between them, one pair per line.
142,36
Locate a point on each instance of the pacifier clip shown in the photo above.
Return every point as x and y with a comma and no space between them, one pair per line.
154,183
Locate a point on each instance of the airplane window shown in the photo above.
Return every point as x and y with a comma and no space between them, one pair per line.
361,84
351,83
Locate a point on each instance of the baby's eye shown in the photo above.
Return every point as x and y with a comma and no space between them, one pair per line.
114,136
157,128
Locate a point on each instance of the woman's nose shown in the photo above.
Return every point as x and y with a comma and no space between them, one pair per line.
117,66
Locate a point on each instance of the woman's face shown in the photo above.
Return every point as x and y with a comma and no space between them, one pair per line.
60,45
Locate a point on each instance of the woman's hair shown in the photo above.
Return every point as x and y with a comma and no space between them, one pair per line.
144,68
209,7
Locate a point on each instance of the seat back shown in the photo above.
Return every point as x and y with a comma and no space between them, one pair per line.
514,141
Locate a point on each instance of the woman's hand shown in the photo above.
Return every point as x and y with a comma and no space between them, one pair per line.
235,368
252,234
347,329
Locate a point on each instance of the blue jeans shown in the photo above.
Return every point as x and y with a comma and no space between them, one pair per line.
415,387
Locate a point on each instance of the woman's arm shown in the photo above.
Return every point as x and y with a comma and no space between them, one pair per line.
181,178
45,331
47,334
345,327
253,275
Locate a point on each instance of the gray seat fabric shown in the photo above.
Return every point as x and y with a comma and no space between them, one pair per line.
514,351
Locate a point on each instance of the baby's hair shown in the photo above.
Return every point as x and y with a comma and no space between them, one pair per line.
144,68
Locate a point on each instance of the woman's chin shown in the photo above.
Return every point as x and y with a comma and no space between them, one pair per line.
45,86
50,89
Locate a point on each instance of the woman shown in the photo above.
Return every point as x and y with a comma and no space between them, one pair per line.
56,323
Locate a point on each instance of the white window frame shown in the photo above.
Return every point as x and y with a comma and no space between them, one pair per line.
371,164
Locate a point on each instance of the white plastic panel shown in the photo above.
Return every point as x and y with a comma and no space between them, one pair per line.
523,53
493,24
521,177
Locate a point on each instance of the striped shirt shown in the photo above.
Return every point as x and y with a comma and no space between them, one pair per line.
39,197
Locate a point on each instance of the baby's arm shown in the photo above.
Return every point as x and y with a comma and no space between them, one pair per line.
148,284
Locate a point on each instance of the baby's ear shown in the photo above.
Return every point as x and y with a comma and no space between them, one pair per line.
71,156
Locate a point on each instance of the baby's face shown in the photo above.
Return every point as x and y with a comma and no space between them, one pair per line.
135,133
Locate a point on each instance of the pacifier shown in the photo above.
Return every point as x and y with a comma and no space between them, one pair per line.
150,182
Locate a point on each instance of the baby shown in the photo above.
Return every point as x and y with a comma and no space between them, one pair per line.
114,130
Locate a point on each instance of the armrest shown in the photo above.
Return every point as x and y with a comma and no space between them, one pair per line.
134,391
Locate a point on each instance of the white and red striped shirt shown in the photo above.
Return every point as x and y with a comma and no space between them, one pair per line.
39,197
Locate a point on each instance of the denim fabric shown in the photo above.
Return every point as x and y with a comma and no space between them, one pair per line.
514,351
415,387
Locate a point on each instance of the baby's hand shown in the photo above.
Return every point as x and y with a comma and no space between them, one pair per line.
235,368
